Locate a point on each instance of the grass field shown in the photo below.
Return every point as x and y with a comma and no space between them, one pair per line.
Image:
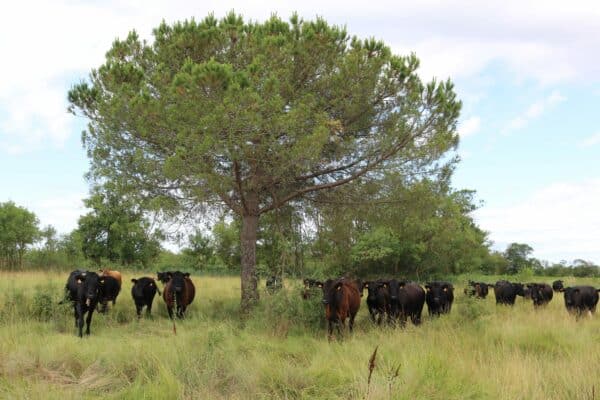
480,351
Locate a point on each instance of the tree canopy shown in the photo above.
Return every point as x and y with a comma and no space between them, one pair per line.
254,115
19,228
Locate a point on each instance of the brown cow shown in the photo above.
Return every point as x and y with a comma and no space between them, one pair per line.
114,274
179,291
342,300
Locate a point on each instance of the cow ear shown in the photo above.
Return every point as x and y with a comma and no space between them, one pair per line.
134,280
102,281
187,274
338,286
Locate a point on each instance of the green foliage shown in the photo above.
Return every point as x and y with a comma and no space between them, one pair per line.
416,228
256,115
227,243
18,230
517,255
116,231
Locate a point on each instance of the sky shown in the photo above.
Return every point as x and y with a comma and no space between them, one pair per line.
528,74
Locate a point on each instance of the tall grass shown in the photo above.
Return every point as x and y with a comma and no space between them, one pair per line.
479,351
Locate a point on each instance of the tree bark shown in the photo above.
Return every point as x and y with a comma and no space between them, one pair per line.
248,249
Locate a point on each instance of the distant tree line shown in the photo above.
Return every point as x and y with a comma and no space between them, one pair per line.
425,235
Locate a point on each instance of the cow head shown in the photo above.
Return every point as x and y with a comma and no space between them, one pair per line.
91,285
177,280
438,292
163,276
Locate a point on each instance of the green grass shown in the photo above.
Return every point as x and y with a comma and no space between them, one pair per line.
480,351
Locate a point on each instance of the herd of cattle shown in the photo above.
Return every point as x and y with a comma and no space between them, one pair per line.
85,290
399,300
394,300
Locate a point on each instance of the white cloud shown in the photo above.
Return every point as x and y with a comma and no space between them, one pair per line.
61,210
469,126
559,221
534,111
590,140
547,42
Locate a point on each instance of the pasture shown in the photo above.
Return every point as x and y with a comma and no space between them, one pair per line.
479,351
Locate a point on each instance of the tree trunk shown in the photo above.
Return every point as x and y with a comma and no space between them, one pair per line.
248,250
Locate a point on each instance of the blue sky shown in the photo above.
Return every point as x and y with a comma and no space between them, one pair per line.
528,74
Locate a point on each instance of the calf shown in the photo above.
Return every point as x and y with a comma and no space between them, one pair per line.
541,293
109,291
579,299
378,299
179,291
143,292
477,289
506,292
341,300
439,297
406,300
558,286
84,290
114,274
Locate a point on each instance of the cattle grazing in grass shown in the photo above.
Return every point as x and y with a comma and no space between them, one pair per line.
579,299
477,289
178,292
506,292
109,291
341,300
143,292
378,299
84,291
439,297
406,300
558,286
541,293
114,274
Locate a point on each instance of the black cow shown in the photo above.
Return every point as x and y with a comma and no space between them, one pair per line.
558,286
439,297
477,289
378,299
109,291
341,299
541,293
179,291
579,299
143,292
84,291
506,292
406,300
164,276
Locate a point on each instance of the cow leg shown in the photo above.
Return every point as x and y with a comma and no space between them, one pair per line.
351,322
148,309
138,310
75,314
88,320
79,312
170,311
